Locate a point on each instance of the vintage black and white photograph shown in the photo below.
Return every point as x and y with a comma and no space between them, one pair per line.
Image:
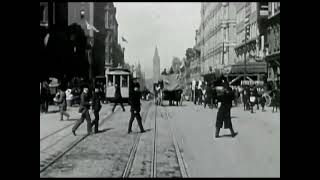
159,89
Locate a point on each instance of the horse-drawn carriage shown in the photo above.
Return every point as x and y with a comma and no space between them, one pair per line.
170,88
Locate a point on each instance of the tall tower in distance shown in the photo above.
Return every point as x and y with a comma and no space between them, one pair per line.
156,66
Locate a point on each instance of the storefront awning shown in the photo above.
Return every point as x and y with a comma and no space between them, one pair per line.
273,58
251,68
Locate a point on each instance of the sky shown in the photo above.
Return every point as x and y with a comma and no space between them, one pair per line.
169,26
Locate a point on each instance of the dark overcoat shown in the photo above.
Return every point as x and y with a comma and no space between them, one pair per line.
223,115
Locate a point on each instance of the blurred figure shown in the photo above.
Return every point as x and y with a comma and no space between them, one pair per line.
263,101
275,101
252,100
208,96
45,97
215,97
69,97
236,96
96,106
200,95
117,98
62,102
245,98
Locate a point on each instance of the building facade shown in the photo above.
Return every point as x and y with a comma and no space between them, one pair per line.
217,35
57,18
195,63
53,26
156,66
102,15
111,27
273,40
250,41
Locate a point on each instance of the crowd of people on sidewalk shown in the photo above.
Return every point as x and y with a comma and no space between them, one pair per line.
224,97
72,92
249,96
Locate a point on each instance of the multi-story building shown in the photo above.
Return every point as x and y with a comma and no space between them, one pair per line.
217,34
273,40
103,17
100,15
112,33
53,19
250,41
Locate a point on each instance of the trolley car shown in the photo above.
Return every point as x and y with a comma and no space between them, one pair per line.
119,76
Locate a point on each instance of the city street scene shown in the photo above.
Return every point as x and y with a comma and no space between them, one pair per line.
159,89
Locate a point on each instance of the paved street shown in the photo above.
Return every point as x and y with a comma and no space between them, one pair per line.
103,154
254,152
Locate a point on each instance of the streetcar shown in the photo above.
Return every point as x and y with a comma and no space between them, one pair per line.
123,78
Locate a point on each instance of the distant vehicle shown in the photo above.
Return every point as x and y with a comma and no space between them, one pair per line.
123,78
172,88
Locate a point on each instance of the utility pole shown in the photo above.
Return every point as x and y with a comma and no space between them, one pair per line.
247,35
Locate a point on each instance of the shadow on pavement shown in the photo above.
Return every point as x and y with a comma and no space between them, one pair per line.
51,112
70,120
146,130
103,130
229,135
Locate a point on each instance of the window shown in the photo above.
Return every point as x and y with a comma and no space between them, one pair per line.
41,13
110,80
124,81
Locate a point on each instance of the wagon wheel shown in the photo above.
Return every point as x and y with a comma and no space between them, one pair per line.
268,100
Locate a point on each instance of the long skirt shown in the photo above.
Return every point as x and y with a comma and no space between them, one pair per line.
224,117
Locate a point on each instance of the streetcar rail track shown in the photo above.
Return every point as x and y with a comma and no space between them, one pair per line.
55,132
153,170
53,159
59,130
182,164
154,152
133,151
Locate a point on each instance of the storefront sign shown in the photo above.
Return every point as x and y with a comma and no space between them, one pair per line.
250,83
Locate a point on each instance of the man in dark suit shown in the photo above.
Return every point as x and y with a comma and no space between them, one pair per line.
134,101
96,106
117,98
84,110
